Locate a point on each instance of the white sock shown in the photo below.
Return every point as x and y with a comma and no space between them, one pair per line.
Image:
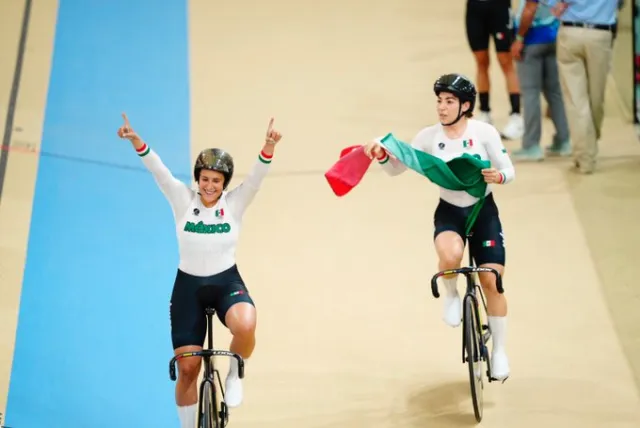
233,367
498,327
451,284
187,415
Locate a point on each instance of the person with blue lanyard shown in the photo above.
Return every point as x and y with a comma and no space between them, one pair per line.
585,48
534,50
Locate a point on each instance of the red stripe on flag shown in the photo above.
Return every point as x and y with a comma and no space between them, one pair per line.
348,171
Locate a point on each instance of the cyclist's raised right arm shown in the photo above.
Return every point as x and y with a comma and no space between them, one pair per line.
392,166
176,192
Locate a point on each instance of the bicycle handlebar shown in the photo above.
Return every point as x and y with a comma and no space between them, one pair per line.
205,353
466,271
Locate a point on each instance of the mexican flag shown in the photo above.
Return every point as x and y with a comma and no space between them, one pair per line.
461,173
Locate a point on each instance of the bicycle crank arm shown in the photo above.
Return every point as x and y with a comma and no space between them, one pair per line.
466,271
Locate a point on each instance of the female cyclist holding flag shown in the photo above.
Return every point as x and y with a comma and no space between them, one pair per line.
458,133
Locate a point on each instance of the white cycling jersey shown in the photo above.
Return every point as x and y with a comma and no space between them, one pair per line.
479,138
207,237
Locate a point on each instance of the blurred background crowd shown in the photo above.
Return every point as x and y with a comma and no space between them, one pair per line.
552,50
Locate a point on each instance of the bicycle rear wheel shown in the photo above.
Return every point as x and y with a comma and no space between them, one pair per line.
209,408
473,354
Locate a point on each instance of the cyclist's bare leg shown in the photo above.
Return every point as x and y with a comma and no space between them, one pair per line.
450,250
186,386
496,302
497,318
188,370
241,321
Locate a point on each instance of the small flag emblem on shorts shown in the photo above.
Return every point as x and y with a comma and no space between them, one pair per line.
490,243
236,293
467,143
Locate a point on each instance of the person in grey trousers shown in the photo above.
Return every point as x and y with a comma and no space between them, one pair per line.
534,50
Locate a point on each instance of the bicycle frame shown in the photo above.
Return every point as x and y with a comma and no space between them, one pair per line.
473,353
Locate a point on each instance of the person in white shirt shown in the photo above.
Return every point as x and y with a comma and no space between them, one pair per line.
208,223
458,133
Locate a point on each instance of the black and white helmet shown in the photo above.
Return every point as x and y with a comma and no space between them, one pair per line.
214,160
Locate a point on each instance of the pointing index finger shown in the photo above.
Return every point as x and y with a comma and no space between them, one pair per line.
270,126
126,120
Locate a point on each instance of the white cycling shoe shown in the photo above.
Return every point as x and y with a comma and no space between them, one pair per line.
233,387
499,365
452,308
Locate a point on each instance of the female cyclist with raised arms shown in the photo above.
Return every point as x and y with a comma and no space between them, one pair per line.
208,223
458,133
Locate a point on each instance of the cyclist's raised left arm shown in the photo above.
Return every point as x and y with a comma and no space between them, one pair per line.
242,196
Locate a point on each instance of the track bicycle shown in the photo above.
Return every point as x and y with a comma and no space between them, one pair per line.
210,413
475,332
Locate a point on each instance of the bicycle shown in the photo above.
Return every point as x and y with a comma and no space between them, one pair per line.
209,415
475,332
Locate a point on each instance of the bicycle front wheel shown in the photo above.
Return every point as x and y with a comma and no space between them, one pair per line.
209,407
473,355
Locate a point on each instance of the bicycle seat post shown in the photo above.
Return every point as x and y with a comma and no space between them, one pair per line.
210,312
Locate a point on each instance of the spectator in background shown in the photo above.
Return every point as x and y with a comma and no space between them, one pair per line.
535,52
585,45
486,19
621,4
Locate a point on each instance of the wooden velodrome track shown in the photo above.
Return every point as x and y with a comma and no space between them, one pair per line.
360,342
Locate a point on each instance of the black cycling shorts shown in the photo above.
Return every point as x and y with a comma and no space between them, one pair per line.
486,19
192,294
486,242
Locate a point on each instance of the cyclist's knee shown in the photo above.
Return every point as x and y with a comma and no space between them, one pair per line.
488,280
189,368
241,319
450,249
